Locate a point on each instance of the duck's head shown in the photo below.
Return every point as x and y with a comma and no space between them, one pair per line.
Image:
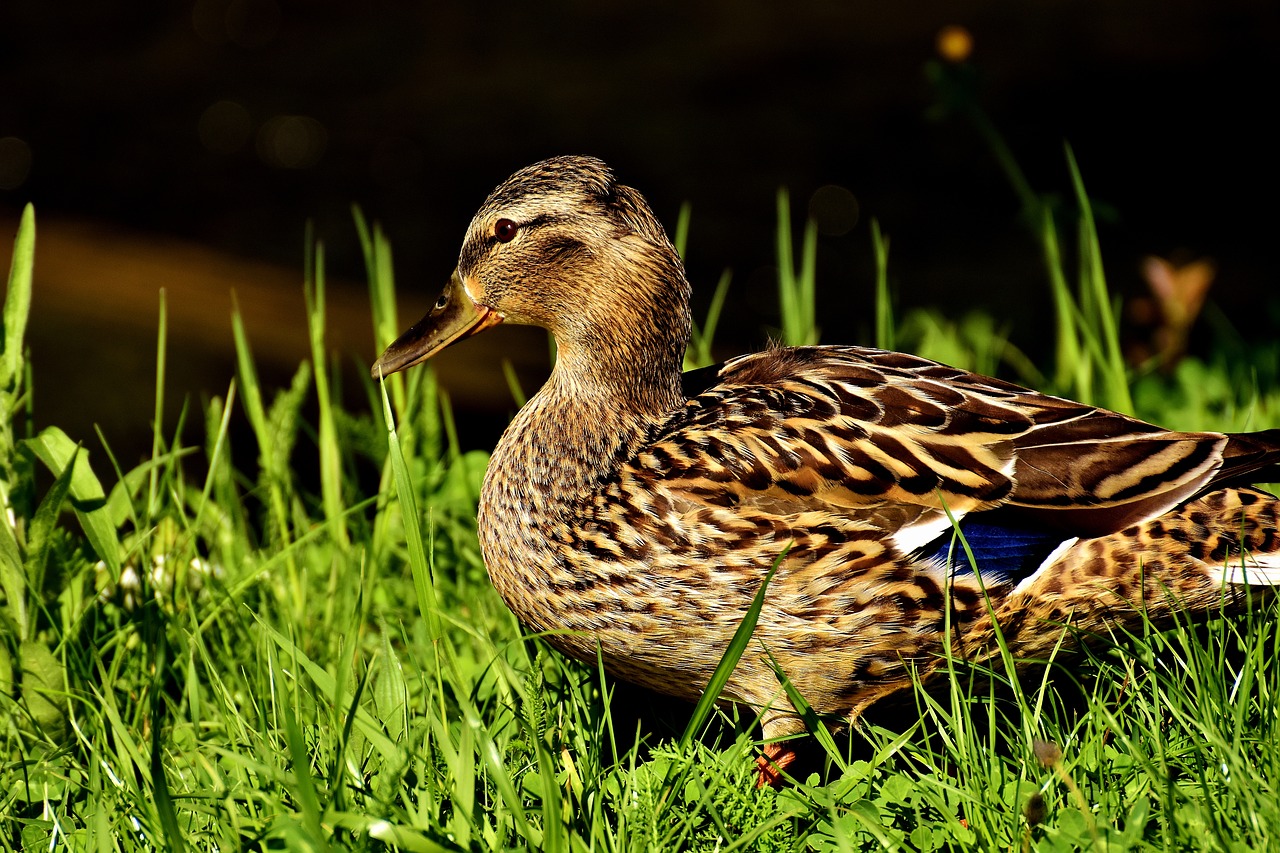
561,245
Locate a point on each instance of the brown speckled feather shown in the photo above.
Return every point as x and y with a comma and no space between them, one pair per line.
626,518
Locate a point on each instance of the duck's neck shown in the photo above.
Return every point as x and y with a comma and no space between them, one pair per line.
583,423
611,384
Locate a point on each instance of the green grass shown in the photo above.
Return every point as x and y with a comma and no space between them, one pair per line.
223,660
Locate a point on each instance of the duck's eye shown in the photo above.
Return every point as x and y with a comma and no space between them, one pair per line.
504,230
442,301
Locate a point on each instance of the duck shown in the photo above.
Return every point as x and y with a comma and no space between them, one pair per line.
630,513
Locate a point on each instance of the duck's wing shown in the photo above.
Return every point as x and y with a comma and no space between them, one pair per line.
898,441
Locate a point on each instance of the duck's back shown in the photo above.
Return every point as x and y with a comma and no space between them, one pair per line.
860,427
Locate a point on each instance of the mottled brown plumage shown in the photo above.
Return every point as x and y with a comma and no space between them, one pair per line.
629,519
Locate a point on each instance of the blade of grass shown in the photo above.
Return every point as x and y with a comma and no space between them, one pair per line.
17,302
217,459
327,685
884,302
305,786
40,539
330,455
786,269
681,241
796,288
159,783
13,370
380,274
277,481
701,338
1067,359
13,583
157,424
513,383
423,584
1094,293
812,723
17,308
808,298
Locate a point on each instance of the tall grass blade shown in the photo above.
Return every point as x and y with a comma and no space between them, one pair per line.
808,281
380,274
796,287
330,454
13,367
1067,376
423,584
681,241
1096,300
787,287
17,302
702,337
513,384
17,309
159,783
157,424
13,583
40,541
304,782
885,337
218,453
276,482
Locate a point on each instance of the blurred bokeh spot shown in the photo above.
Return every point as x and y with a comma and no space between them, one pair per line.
291,142
834,210
225,127
955,43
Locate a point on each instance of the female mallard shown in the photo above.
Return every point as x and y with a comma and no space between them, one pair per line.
626,514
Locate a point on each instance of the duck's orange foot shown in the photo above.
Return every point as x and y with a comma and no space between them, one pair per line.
777,757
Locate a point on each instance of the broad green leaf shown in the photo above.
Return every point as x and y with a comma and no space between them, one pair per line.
13,583
40,532
57,451
44,687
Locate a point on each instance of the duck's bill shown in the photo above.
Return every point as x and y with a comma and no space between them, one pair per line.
454,317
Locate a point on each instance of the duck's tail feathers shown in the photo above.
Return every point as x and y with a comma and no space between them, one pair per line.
1248,458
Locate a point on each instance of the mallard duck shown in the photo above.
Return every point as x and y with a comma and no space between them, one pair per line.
634,512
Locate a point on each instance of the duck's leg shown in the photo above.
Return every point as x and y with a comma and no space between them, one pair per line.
777,757
779,728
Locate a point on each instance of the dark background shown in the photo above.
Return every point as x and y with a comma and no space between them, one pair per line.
185,146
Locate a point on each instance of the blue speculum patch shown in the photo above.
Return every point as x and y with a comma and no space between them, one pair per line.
1006,549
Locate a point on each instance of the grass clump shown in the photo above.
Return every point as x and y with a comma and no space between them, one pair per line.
228,661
